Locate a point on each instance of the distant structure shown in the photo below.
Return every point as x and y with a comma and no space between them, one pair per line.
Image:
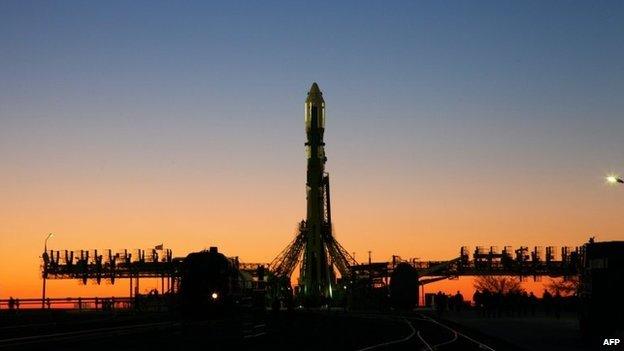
599,266
314,245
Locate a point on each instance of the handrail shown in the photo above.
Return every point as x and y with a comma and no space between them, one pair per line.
79,303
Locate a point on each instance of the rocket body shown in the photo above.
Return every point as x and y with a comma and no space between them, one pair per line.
316,272
323,256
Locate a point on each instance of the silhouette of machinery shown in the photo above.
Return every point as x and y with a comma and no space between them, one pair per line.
598,265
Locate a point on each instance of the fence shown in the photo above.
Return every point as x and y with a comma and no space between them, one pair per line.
76,303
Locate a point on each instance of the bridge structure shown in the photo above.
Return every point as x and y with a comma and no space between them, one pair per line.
521,262
132,265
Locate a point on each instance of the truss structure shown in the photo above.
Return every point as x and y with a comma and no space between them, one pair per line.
283,266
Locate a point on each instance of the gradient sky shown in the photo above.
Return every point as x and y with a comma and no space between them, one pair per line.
128,124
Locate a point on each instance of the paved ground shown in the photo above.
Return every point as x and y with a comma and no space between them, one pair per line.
300,330
536,333
430,334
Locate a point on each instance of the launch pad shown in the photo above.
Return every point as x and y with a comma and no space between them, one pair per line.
314,249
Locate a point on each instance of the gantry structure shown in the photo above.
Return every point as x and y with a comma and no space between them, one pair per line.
314,248
133,265
520,262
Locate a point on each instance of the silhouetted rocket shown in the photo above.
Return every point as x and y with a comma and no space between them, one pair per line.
316,273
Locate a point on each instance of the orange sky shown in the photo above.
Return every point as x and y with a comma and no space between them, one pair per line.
250,221
97,194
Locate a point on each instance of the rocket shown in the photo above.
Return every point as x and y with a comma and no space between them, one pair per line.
323,256
317,273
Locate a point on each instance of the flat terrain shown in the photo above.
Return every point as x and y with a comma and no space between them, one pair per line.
530,333
297,330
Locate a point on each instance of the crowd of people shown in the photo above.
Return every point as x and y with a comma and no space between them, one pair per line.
444,302
513,303
13,304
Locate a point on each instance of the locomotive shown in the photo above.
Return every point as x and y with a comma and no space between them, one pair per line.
210,283
404,287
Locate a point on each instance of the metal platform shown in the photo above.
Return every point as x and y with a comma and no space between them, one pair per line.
132,265
518,262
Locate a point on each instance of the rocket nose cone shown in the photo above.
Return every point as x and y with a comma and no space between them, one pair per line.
314,89
315,94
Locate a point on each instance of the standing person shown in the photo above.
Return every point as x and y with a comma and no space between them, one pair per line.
557,301
532,303
524,303
438,302
459,301
547,302
486,298
476,298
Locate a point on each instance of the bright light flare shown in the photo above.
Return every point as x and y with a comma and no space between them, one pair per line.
214,296
612,179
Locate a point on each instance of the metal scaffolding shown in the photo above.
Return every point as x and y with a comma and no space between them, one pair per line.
110,266
518,262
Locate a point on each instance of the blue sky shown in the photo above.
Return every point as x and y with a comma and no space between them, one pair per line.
497,114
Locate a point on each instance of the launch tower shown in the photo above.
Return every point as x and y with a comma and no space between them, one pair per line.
314,245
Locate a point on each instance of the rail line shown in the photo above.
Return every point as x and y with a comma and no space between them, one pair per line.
396,341
424,337
89,333
456,336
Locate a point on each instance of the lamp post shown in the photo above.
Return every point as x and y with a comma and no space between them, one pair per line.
45,269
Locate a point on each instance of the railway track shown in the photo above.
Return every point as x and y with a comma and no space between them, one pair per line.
84,334
428,334
352,331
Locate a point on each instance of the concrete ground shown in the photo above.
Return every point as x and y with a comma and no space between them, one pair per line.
296,330
534,333
299,330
